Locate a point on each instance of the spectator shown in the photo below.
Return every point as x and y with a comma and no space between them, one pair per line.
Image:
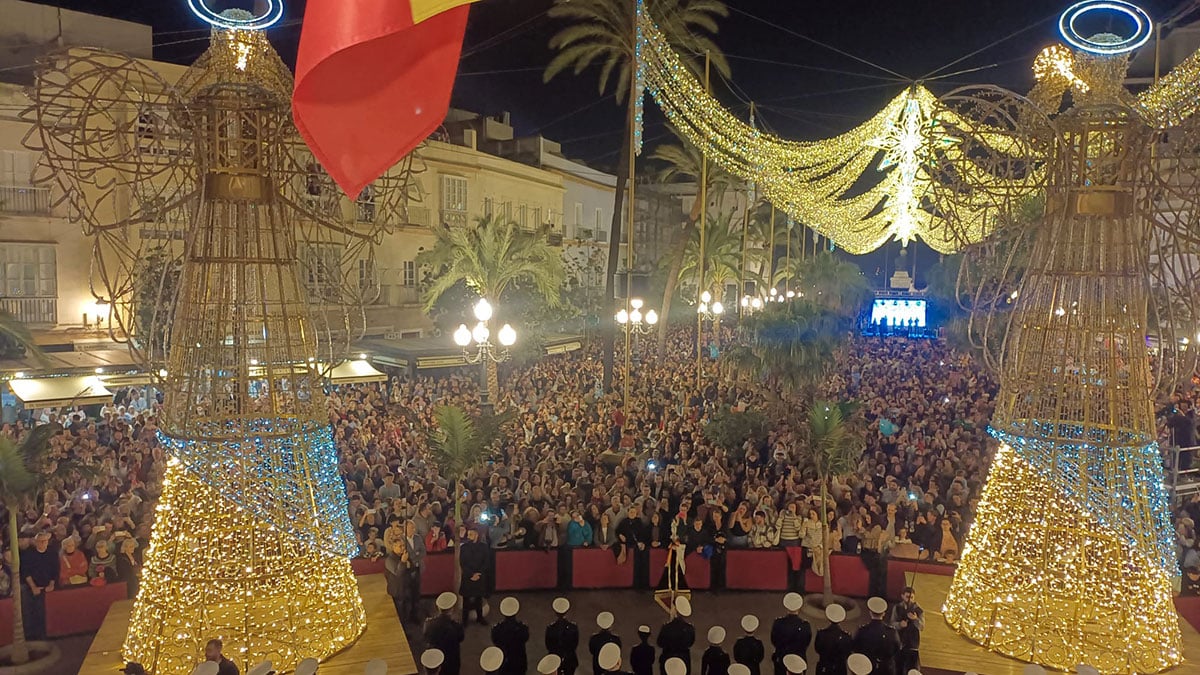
39,569
73,564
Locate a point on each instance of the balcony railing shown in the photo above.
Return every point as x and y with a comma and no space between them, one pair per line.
24,200
417,215
36,311
454,218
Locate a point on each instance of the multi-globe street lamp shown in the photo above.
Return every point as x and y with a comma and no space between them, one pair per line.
484,352
710,310
633,322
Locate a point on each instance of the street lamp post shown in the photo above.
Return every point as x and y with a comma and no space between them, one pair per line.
484,352
712,311
632,322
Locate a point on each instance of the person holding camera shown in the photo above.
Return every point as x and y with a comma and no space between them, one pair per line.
909,620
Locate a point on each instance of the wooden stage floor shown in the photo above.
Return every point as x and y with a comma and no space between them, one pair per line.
944,649
383,638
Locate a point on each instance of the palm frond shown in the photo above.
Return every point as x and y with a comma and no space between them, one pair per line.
455,444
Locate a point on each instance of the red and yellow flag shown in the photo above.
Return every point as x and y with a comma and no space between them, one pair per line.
373,79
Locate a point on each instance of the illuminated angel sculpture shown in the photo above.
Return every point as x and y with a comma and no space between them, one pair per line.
201,197
1070,557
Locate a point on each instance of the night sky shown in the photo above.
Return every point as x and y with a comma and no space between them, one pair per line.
803,90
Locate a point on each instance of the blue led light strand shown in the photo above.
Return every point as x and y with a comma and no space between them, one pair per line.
232,20
1144,27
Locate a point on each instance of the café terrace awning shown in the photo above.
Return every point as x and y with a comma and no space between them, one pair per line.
354,372
55,392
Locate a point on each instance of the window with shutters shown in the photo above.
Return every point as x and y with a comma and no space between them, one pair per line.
410,273
28,270
454,193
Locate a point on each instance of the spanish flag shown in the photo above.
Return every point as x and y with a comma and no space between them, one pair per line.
373,79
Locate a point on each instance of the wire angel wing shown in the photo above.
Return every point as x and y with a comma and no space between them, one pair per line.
1169,201
117,149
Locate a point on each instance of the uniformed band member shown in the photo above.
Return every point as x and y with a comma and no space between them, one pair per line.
790,634
431,661
474,561
794,664
562,638
858,664
749,650
491,660
511,635
641,657
833,644
909,620
604,621
610,659
676,637
878,641
549,665
442,632
715,660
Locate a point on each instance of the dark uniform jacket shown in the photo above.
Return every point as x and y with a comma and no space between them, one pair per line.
749,652
510,635
641,658
714,662
675,640
834,646
789,635
446,634
474,557
562,639
880,643
596,642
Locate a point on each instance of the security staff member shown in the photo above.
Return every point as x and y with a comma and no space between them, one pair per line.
833,644
562,637
442,632
604,621
677,636
790,634
511,635
749,650
878,641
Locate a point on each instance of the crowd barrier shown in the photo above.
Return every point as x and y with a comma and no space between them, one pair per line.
70,611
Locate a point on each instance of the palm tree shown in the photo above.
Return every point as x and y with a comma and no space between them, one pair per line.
829,281
601,32
789,346
15,339
722,254
684,163
25,472
836,446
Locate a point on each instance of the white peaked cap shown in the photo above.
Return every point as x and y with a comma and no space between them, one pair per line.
877,605
604,620
674,666
716,635
835,613
794,664
446,600
491,659
749,623
432,658
644,629
738,669
375,667
560,605
509,607
913,671
792,602
261,669
609,657
859,664
549,664
683,606
206,668
307,667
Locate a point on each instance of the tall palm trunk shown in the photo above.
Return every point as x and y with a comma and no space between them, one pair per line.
677,250
20,650
458,527
608,326
827,581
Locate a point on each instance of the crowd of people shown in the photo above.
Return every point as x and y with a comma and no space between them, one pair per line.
579,468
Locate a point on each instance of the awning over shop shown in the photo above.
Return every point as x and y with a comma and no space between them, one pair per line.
354,372
55,392
439,352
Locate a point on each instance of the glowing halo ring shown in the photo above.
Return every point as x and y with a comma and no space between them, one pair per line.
271,16
1066,26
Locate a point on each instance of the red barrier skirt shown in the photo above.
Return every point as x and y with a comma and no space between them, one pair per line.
526,570
363,566
756,570
80,610
438,575
847,574
698,572
899,569
597,568
6,621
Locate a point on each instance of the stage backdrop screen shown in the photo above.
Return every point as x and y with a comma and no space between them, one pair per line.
898,312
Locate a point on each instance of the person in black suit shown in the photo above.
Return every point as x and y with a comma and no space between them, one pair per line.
749,650
474,561
677,636
878,641
790,634
562,638
833,644
511,635
445,634
604,621
641,657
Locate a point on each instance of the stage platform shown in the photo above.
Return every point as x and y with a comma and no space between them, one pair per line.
943,649
383,638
